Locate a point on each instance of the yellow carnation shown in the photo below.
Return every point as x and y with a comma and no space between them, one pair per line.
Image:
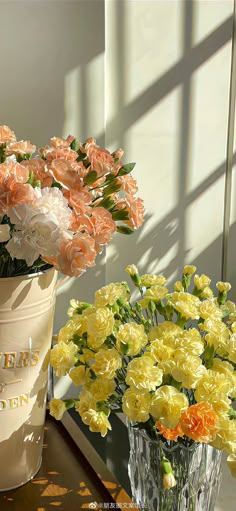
57,408
154,293
230,306
86,357
162,354
233,392
187,310
214,388
216,327
223,287
97,422
94,343
100,388
131,338
167,405
149,280
231,348
164,330
72,326
79,375
185,303
207,293
100,323
189,270
208,309
74,304
190,341
188,370
226,435
222,367
201,282
109,294
233,327
142,374
214,340
86,402
62,357
232,310
178,286
106,363
136,404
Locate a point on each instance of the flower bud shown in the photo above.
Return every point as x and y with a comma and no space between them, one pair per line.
169,481
132,271
118,153
168,476
189,270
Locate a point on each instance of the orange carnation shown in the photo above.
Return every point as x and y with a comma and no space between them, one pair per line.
170,434
199,422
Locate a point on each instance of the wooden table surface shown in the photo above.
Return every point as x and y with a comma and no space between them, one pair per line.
65,482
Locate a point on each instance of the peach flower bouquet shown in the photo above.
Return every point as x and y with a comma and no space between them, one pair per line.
61,206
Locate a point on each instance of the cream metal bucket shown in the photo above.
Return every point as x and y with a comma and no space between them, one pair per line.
26,321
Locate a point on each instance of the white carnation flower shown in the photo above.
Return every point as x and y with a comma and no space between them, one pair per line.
39,226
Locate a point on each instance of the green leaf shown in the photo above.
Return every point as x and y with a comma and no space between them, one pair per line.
31,178
102,406
126,169
91,177
56,185
111,188
120,215
232,414
75,145
124,229
81,156
70,403
37,184
107,203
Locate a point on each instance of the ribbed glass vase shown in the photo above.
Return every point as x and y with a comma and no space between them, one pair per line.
197,470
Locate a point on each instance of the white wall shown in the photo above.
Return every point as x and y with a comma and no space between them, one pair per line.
169,110
52,83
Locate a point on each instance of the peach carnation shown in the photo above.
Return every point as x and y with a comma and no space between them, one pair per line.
128,184
58,153
21,148
101,160
103,227
135,209
63,173
170,434
12,173
6,135
39,168
78,200
76,254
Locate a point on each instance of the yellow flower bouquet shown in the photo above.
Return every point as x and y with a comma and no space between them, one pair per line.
168,362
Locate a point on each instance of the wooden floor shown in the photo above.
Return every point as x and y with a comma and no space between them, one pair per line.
65,482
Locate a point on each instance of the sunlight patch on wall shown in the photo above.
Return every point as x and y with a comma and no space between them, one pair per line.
210,94
84,101
203,224
209,16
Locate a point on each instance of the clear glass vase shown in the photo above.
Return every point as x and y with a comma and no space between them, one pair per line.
197,470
